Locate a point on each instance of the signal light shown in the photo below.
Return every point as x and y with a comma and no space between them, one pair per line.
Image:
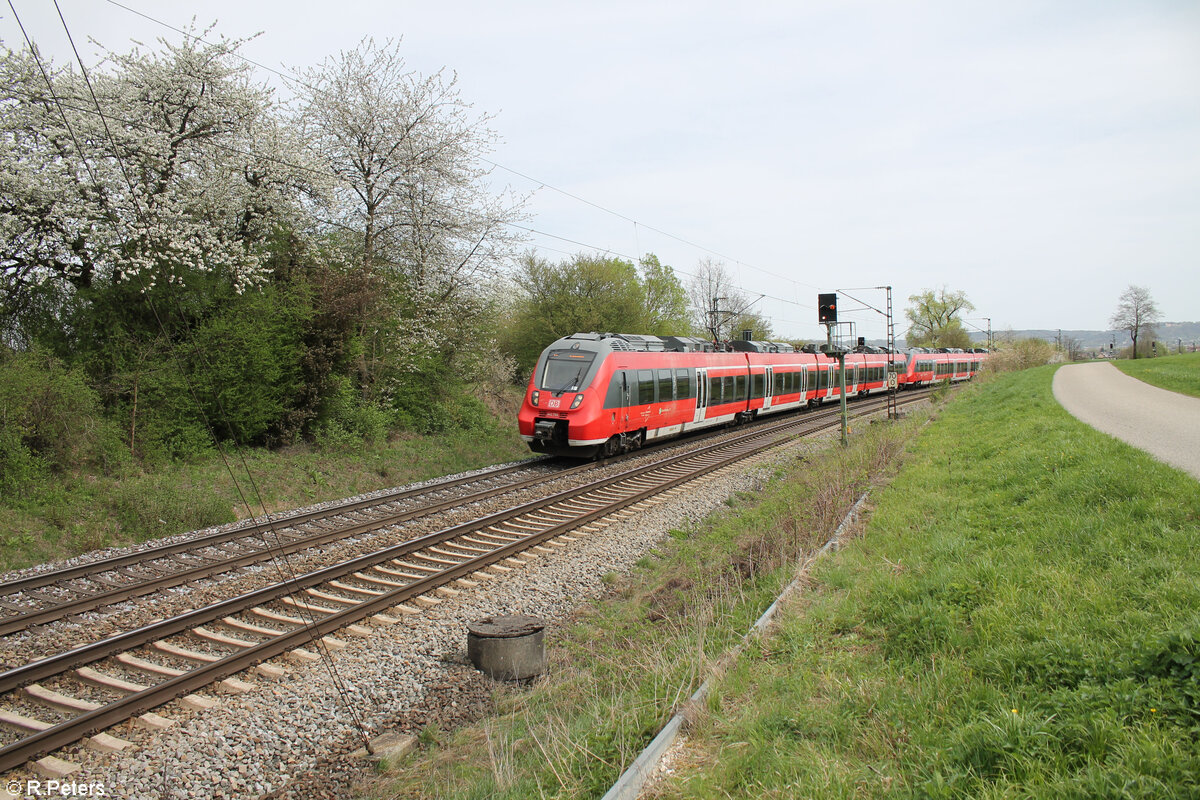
827,307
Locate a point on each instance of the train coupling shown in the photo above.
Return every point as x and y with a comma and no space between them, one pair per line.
551,431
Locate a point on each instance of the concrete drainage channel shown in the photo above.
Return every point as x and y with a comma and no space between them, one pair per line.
631,783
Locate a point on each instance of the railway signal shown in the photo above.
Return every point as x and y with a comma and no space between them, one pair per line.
827,316
827,308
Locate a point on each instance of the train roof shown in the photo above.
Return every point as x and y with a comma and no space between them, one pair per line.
637,342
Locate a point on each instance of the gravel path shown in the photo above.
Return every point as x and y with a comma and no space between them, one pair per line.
1164,424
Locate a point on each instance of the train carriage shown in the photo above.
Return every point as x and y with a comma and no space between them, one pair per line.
601,394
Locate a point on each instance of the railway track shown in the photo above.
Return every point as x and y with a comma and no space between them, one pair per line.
50,595
61,699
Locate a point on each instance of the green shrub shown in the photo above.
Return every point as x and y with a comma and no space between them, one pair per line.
246,366
50,421
428,404
345,418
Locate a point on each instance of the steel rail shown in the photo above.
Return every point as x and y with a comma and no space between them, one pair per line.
266,526
87,601
72,730
23,620
52,665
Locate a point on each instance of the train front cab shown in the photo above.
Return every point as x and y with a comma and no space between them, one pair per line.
560,403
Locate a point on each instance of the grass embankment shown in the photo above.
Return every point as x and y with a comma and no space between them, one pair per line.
76,513
1020,619
617,674
1179,373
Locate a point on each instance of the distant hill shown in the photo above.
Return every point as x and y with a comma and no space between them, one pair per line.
1166,332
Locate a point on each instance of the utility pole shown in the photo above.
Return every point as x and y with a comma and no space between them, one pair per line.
989,322
893,367
715,319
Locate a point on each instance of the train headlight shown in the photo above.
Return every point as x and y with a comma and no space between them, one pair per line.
578,399
534,398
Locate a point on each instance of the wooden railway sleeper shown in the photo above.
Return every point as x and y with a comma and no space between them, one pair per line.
435,560
496,538
362,576
458,545
559,516
248,627
467,552
398,574
331,598
419,567
346,587
499,530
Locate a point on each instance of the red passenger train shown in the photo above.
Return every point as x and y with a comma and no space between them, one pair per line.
602,393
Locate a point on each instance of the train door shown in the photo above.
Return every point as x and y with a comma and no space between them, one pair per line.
803,375
626,400
701,393
767,387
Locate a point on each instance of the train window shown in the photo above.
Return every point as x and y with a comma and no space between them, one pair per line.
728,389
666,386
645,386
613,398
566,369
683,384
779,383
739,388
714,391
757,385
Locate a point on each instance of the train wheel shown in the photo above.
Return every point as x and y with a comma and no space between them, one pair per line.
610,448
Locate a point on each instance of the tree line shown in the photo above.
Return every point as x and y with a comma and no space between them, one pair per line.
184,256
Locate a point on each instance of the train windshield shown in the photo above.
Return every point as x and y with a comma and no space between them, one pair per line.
566,369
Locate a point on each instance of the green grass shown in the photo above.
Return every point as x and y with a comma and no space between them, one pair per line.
1020,619
1179,373
616,676
77,513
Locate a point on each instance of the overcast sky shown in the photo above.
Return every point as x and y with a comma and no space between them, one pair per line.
1040,156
